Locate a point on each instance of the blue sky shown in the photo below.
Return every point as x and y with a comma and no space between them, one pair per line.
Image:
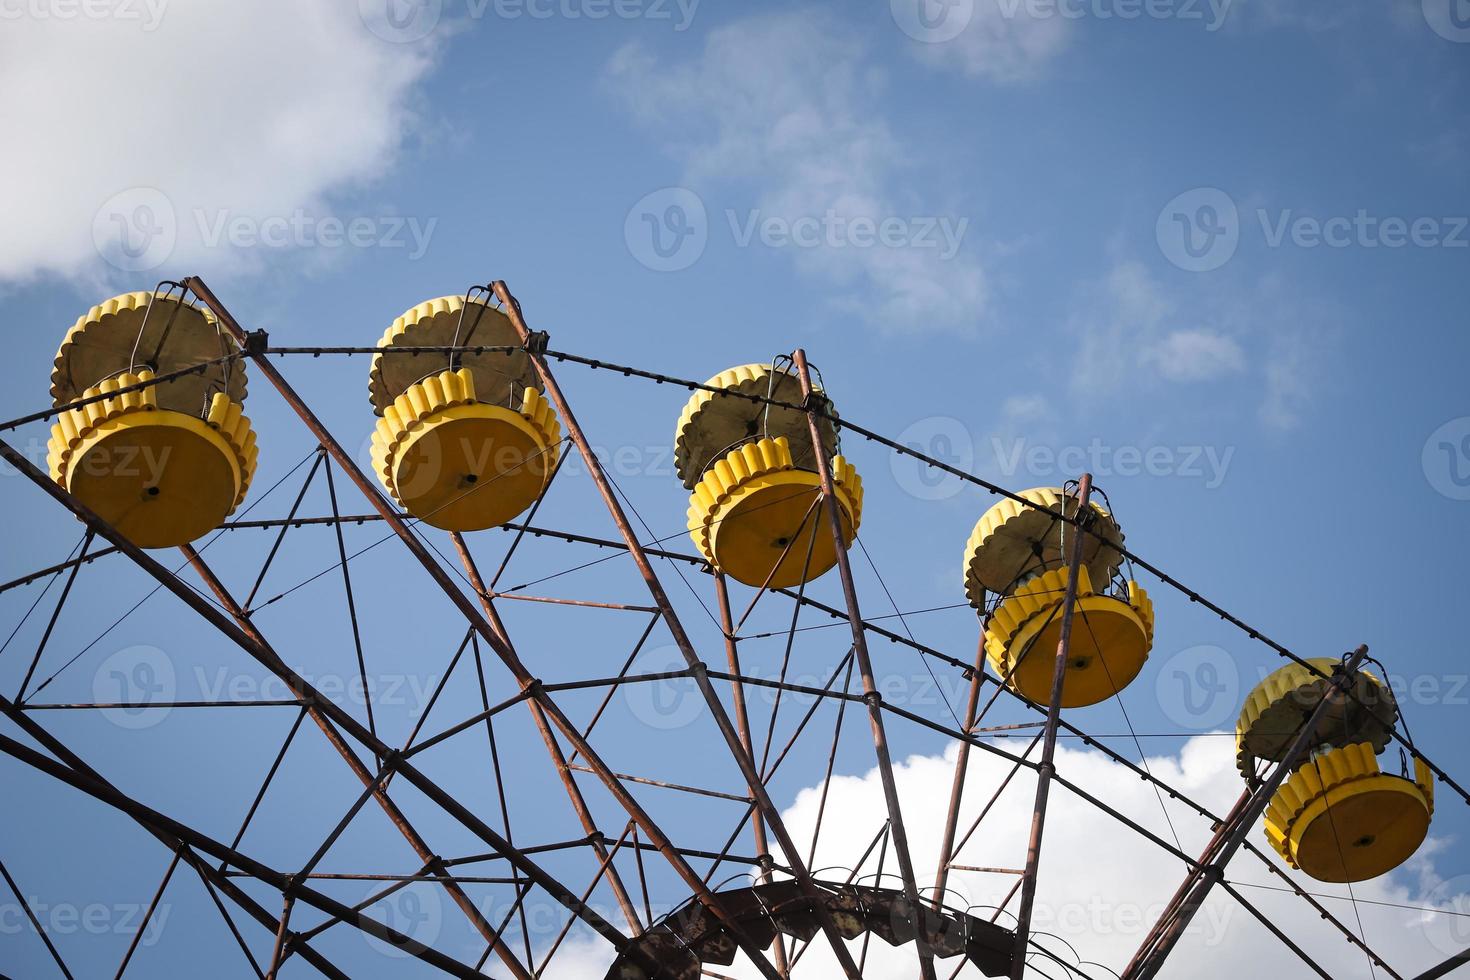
1215,254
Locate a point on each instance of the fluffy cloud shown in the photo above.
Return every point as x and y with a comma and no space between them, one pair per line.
1129,329
996,40
138,124
1196,355
776,119
1102,884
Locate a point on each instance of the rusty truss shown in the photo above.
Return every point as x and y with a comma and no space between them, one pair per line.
669,899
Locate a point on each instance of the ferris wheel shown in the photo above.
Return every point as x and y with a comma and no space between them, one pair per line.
467,433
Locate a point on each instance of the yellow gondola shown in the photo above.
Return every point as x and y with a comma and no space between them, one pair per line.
1018,553
1278,707
755,510
472,443
1339,818
1111,637
167,463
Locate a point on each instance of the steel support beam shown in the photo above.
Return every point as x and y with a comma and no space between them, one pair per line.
1047,768
698,670
871,697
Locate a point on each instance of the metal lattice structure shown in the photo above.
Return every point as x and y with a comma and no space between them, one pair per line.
747,882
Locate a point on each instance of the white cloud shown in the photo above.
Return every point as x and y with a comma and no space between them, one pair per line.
1002,41
1129,332
254,109
1101,883
777,118
1196,355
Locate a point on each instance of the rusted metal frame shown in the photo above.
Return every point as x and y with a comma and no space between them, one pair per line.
582,603
1049,742
871,696
461,601
790,644
286,525
141,705
831,764
1152,569
106,793
768,773
520,534
1177,915
269,778
71,579
239,939
324,713
882,856
1448,966
662,784
1275,930
199,368
603,867
433,699
279,950
329,713
35,923
621,675
742,725
420,877
851,874
500,785
367,695
173,865
995,797
717,710
506,653
553,747
1222,831
957,787
207,874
